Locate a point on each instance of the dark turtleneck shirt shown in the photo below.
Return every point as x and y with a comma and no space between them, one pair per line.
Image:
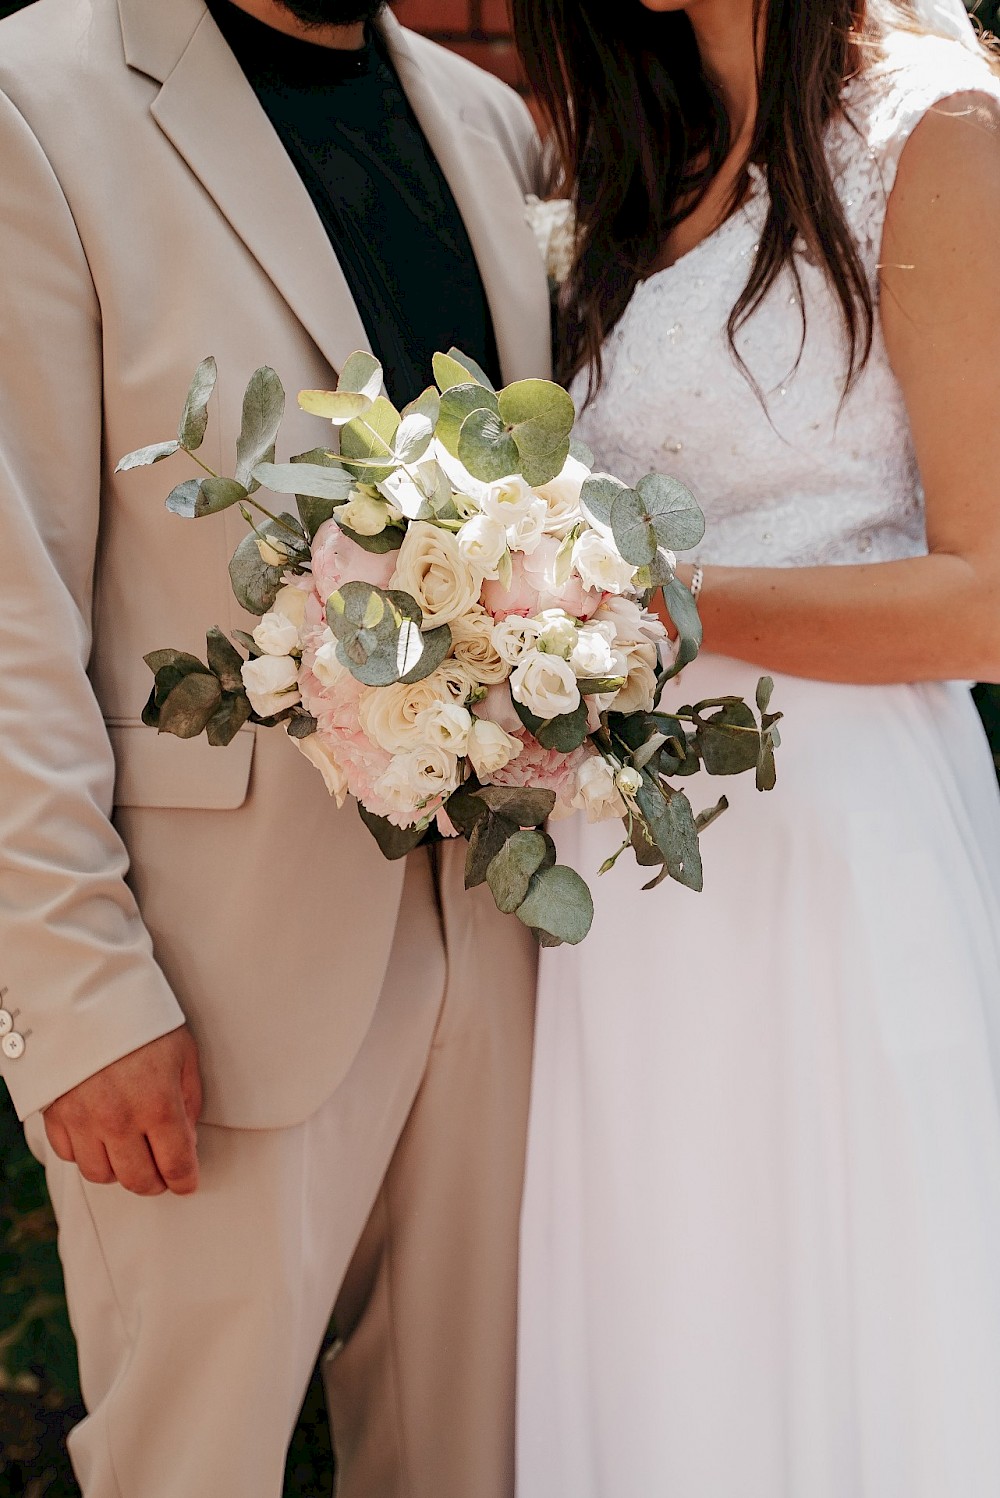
393,223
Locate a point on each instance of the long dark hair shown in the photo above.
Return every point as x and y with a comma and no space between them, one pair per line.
640,133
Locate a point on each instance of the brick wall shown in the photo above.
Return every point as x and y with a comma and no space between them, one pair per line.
478,29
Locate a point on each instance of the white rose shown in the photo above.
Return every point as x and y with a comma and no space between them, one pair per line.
545,685
272,683
514,637
628,780
364,515
557,632
592,654
482,541
414,778
432,570
596,792
276,635
327,667
472,645
319,753
598,564
525,533
388,715
639,665
490,748
291,602
508,500
445,725
562,497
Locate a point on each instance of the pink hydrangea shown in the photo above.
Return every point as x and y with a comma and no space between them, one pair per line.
336,559
544,769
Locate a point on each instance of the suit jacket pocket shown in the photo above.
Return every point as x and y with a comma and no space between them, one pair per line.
164,771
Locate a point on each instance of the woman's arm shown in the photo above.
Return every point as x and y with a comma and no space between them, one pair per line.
934,617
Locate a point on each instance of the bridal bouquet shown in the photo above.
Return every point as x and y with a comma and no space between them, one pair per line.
454,628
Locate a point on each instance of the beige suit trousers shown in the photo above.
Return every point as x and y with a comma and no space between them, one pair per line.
199,1319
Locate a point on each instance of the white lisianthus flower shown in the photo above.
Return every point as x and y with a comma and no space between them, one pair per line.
490,748
327,667
639,665
562,497
545,685
592,654
406,497
414,778
557,632
388,715
318,752
514,637
445,725
431,568
482,541
272,684
291,602
508,500
472,645
632,624
598,563
525,533
596,792
276,635
364,515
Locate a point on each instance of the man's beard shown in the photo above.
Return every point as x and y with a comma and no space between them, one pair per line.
333,12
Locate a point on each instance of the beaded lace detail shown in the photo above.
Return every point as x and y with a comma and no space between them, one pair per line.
811,478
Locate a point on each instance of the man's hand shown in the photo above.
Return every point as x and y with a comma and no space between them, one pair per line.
134,1122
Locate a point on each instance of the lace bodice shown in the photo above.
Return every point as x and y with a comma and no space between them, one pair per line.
808,480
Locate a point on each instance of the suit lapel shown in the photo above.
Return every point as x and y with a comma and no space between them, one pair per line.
212,117
492,207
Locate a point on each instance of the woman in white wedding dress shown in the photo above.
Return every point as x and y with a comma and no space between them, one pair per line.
761,1236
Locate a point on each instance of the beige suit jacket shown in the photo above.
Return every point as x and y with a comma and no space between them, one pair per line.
149,216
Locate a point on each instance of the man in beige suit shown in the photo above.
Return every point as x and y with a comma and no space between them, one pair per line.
195,936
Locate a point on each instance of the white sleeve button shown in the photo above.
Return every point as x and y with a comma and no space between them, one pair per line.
6,1022
12,1046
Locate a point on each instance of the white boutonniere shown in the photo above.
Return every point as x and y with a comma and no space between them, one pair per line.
553,222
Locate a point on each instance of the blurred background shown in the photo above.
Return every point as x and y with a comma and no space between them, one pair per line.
39,1395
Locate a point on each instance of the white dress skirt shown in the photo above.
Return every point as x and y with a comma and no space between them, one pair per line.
761,1232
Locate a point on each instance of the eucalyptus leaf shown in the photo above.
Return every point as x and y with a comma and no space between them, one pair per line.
767,772
224,660
427,403
183,500
598,496
188,708
470,366
254,581
217,494
436,644
263,409
559,905
765,688
684,612
391,539
527,806
729,741
678,519
150,715
486,448
361,374
457,404
510,872
465,808
301,725
394,842
670,822
539,416
194,419
564,733
581,452
144,456
706,818
413,438
312,479
179,659
337,406
366,445
488,836
227,720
